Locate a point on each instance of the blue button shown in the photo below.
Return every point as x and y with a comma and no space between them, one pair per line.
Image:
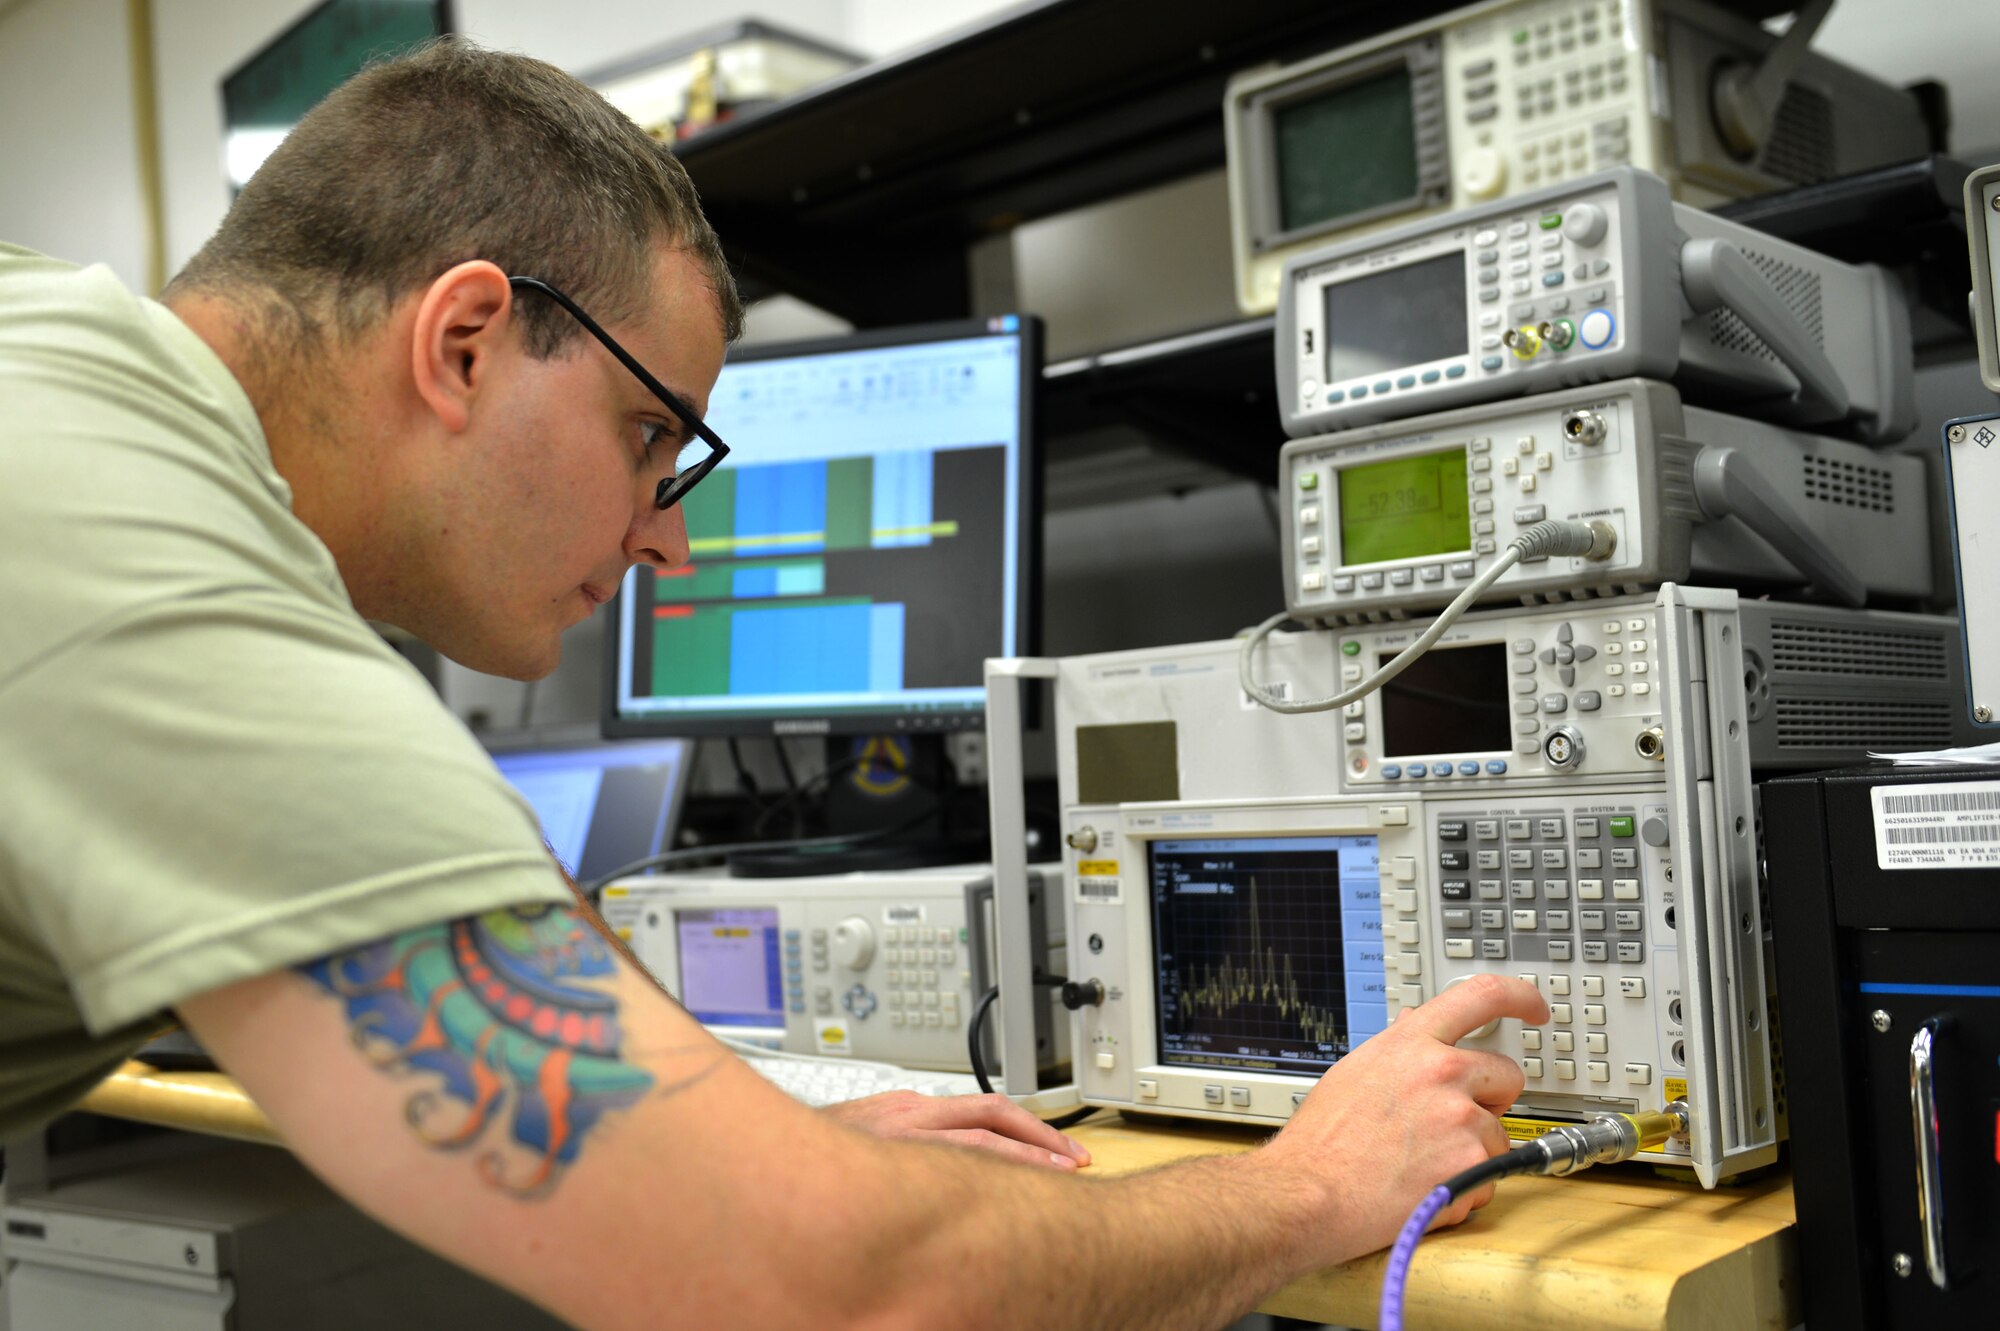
1552,279
1360,391
1497,766
1391,772
1490,363
1418,769
1382,385
1407,381
1431,376
1454,371
1336,396
1468,768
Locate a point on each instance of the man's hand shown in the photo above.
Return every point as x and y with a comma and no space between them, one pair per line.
985,1122
1406,1111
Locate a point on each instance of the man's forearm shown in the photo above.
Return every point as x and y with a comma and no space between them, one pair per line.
964,1242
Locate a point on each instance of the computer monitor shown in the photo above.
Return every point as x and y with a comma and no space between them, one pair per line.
872,537
266,95
603,805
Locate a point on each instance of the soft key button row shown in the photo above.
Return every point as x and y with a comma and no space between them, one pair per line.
795,980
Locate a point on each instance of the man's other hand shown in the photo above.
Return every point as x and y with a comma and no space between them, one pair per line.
984,1122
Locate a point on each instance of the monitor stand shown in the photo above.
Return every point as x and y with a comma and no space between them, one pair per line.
884,781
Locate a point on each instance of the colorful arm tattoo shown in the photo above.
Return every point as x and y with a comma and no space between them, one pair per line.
512,1012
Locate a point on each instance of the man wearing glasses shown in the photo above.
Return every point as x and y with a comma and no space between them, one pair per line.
444,368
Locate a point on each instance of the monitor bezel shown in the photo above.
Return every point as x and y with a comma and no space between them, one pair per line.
1027,574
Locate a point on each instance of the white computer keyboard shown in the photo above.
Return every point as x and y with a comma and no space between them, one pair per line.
827,1081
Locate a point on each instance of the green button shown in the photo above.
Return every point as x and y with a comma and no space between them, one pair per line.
1309,481
1550,221
1354,649
1520,36
1621,827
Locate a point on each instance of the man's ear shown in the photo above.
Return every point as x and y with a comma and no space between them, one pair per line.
460,322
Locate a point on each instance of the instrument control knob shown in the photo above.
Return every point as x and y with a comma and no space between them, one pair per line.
1584,224
1083,839
853,943
1482,173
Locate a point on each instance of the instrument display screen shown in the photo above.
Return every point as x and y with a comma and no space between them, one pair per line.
1269,950
1346,151
1403,316
1450,700
730,975
1404,508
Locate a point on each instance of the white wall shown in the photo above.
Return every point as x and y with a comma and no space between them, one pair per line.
69,156
196,42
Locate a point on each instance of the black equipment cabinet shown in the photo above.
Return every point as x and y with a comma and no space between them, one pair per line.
1889,997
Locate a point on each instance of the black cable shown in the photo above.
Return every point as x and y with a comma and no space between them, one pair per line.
820,778
972,1033
972,1039
690,854
791,785
1523,1159
744,781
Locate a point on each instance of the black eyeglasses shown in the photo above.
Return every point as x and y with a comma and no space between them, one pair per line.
684,479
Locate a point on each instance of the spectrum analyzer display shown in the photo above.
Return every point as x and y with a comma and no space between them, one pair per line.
858,553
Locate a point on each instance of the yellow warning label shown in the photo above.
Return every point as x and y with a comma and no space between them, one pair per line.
1675,1087
1523,1129
1097,868
617,891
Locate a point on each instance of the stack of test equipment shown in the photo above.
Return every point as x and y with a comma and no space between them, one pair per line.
1885,890
1558,788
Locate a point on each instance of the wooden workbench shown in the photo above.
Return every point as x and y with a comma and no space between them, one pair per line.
1612,1249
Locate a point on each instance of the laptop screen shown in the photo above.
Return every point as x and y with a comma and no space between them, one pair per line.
602,804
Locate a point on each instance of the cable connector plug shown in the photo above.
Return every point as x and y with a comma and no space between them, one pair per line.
1594,539
1607,1139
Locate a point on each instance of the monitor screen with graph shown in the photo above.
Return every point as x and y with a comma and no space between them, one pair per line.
1267,949
870,540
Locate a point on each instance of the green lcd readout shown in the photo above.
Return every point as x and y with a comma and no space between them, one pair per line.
1404,508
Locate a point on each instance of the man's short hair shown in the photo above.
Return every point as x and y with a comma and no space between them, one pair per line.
447,154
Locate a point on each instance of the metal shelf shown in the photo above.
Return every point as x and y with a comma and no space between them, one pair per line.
862,195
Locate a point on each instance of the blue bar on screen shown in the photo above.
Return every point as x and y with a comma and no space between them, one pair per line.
786,499
885,647
749,582
800,649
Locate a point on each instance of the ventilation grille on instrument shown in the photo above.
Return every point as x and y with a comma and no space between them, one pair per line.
1801,145
1862,723
1802,647
1850,485
1796,286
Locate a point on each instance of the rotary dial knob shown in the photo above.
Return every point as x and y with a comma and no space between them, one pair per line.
853,943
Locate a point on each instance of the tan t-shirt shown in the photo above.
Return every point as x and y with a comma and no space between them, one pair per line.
210,766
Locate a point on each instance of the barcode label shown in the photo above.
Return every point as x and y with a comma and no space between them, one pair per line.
1936,803
1937,827
1903,836
1097,889
1281,689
